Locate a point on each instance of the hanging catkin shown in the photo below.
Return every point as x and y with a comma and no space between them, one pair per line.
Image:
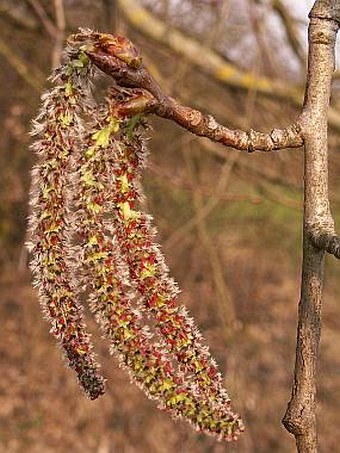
88,232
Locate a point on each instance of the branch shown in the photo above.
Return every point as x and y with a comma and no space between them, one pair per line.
290,28
326,9
117,57
18,64
204,57
43,17
326,240
210,62
300,417
206,126
131,76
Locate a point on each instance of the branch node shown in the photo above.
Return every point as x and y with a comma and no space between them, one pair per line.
325,239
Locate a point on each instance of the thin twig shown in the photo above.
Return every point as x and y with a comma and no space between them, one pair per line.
43,16
225,303
36,81
121,60
325,240
193,120
209,61
60,31
202,56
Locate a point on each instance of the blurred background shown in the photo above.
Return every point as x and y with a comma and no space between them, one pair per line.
229,223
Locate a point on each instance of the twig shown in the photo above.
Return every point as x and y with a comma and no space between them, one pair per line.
35,81
42,15
291,31
193,120
325,240
209,61
60,31
119,59
202,56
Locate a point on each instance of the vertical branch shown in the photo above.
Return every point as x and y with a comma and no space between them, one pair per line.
225,306
60,32
43,17
29,74
300,418
290,29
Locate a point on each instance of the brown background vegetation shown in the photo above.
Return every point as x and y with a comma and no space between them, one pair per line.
230,226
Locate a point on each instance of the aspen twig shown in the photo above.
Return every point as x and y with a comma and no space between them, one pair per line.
193,120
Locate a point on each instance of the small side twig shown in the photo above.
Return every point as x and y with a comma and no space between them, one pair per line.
60,31
326,240
43,17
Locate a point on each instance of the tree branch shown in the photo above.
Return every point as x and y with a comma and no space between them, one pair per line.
291,31
34,78
117,57
193,120
326,9
209,61
204,57
325,240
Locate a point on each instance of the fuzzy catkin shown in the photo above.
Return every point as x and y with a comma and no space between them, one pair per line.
87,231
113,290
56,130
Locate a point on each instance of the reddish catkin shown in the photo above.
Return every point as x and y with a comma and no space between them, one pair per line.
56,129
113,288
88,231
